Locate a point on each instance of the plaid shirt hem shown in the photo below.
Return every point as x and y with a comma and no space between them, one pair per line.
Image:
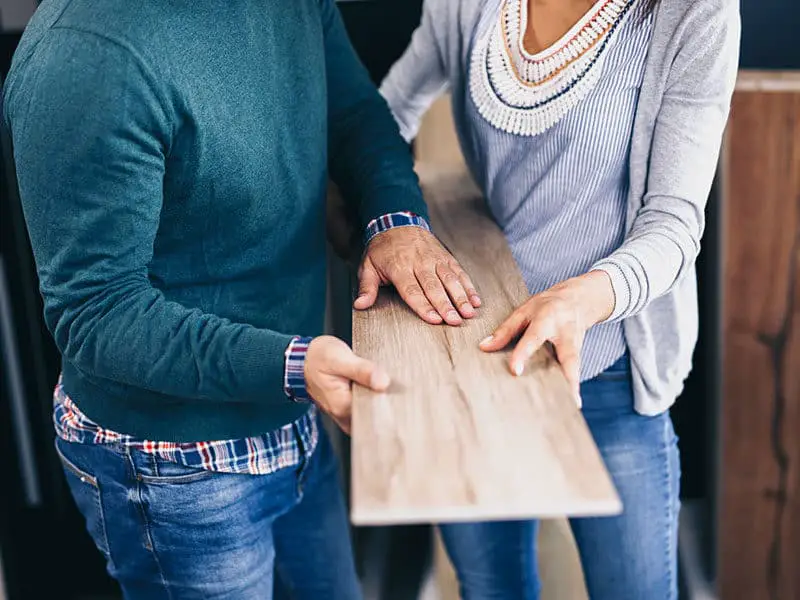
257,455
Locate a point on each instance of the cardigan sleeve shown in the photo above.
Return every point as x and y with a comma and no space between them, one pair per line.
419,77
664,238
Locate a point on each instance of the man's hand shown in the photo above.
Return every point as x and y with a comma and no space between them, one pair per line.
561,316
330,368
425,275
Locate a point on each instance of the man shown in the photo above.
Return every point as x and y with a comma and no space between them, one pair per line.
172,160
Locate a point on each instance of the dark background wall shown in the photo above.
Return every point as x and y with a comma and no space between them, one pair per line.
770,31
770,34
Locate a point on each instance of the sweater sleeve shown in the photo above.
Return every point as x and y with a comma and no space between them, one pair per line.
367,157
91,130
419,77
664,238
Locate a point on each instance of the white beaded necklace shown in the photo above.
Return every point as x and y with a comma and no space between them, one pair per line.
527,94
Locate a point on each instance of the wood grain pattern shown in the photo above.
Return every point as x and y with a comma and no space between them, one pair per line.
457,437
760,496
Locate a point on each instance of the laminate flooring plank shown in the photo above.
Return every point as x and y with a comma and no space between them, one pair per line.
456,437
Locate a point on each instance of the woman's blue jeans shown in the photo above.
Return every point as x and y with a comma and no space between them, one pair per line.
628,557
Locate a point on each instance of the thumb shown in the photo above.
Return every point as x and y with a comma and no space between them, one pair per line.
368,283
362,371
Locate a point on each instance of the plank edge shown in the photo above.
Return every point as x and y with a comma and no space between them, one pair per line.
597,508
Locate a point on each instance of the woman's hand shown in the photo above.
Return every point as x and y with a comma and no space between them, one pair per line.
561,316
330,369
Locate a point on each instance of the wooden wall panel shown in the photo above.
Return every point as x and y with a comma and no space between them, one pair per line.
457,437
759,531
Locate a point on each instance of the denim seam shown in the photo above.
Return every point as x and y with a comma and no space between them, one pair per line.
158,562
531,579
670,551
80,473
91,481
148,537
102,514
177,479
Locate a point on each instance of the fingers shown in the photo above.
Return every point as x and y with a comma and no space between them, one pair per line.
567,349
411,292
361,371
455,289
529,343
507,331
330,368
369,281
467,284
437,296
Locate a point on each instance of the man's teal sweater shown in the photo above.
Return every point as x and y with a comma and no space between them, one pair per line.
172,158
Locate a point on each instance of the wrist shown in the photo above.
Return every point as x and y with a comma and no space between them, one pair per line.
594,296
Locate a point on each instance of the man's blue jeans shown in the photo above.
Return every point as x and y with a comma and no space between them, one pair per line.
174,533
628,557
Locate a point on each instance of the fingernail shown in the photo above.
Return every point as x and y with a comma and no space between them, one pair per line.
486,340
453,315
476,300
518,368
467,308
434,315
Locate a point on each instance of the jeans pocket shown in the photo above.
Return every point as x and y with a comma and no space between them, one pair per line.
153,470
85,489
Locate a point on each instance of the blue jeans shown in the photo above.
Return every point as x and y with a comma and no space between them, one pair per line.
628,557
172,532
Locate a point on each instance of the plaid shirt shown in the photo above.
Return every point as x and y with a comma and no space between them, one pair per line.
257,455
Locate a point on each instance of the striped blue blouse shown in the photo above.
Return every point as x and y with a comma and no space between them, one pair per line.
560,196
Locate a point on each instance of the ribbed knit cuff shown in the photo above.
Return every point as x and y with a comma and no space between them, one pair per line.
392,220
620,285
294,380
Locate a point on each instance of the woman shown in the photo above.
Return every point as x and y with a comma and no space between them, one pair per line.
594,132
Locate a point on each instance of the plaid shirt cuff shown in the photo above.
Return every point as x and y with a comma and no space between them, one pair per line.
294,379
398,219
